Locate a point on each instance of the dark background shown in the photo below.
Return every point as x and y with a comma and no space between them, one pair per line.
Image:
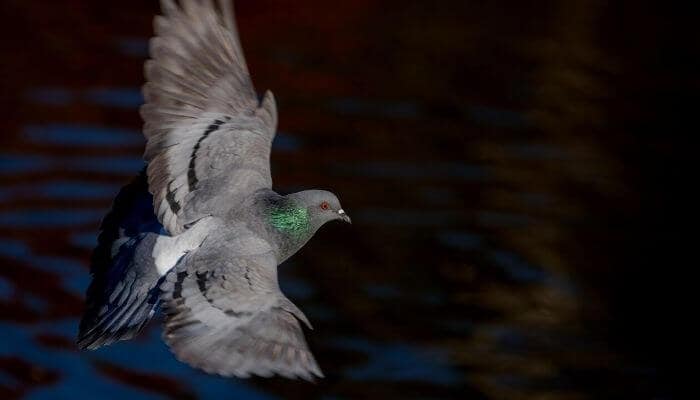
518,174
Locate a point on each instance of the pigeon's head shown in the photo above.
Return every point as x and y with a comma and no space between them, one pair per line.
322,206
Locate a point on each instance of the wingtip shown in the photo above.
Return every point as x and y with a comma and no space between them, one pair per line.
168,7
80,344
229,17
86,342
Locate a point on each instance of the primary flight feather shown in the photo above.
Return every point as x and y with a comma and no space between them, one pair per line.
200,233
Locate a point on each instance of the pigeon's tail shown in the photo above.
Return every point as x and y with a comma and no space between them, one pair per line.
123,294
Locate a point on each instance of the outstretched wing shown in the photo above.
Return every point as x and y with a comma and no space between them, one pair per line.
123,293
208,136
225,313
123,296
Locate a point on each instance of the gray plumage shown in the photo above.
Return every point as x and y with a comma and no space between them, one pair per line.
227,315
213,266
205,129
131,301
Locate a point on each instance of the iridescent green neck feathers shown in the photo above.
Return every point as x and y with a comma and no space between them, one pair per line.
290,220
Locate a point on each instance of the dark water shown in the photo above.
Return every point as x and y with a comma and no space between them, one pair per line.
513,172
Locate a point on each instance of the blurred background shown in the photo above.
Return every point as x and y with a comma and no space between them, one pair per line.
516,173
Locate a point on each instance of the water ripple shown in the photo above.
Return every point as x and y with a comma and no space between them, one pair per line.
82,135
42,218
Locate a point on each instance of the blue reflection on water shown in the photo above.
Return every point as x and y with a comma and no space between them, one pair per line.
117,165
122,165
61,190
82,135
71,271
286,142
77,375
43,218
68,189
13,248
35,303
116,97
295,288
86,240
6,288
61,265
15,163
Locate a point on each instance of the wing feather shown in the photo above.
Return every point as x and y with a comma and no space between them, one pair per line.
226,315
202,119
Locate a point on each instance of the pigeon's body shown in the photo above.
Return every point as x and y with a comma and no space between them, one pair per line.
207,252
282,222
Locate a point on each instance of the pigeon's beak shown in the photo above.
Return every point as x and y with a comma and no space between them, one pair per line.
344,216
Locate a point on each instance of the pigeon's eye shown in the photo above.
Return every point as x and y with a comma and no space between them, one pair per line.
325,205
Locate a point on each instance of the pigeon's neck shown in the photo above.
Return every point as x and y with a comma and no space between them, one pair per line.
291,225
289,219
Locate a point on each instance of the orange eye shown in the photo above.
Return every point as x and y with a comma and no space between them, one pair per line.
325,205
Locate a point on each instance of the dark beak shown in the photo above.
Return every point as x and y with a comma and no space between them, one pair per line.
345,217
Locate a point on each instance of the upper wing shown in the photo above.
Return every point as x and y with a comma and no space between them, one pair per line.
208,136
226,314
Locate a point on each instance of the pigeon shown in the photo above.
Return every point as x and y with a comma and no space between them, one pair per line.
199,234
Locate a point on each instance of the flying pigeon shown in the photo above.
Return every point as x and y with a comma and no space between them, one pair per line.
200,233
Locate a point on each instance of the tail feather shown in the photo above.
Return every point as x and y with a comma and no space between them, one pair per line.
124,292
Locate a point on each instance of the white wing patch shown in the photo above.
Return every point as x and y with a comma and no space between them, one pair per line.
168,249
